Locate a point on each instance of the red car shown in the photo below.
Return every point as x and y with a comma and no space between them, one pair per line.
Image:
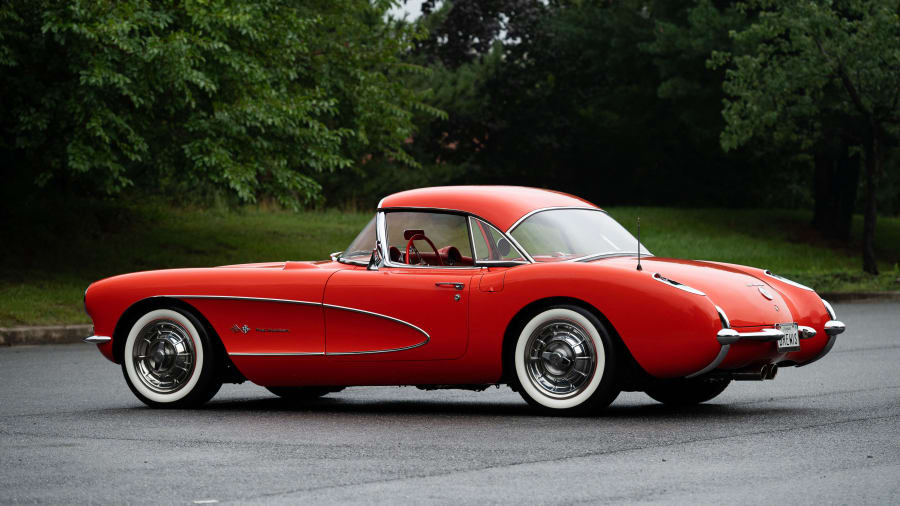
464,287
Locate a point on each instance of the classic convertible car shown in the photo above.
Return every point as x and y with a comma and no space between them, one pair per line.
464,287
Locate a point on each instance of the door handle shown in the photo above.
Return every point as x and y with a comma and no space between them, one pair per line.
458,286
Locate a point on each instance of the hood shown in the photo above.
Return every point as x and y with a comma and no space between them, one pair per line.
747,300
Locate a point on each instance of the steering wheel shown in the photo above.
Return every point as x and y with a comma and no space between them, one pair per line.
410,246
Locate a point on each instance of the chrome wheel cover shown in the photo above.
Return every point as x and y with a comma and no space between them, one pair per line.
560,359
163,356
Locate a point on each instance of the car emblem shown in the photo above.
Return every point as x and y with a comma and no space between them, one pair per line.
776,308
755,284
244,329
765,293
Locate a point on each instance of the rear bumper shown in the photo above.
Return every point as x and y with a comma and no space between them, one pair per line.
728,337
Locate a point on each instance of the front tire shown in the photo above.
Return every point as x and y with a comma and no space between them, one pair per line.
564,362
168,360
688,392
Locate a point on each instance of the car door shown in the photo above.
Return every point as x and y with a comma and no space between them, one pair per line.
415,306
397,313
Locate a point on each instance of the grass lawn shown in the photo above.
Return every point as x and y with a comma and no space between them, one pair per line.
44,273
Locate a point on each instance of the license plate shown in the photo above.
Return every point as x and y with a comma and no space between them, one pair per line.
791,339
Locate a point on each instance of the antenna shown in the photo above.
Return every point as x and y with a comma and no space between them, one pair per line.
639,245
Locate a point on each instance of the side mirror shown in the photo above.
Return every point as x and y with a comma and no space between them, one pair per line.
375,261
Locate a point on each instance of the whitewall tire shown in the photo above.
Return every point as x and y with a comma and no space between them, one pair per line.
168,360
565,361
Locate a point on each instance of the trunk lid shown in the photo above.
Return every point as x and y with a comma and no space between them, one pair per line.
747,300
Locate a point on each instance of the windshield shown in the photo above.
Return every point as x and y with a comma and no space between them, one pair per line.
565,234
360,250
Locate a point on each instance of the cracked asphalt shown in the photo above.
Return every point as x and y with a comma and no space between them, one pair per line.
71,432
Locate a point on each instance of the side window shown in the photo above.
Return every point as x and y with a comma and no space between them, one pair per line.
434,239
491,245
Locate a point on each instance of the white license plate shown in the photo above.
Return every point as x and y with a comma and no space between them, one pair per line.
791,339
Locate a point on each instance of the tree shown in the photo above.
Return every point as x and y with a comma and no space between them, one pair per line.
250,98
806,71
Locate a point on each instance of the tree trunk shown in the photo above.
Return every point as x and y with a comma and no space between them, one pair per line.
835,191
873,166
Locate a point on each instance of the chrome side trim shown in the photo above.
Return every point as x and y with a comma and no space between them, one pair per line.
308,303
829,309
726,323
278,354
715,363
675,284
97,339
723,347
378,315
786,280
235,297
373,352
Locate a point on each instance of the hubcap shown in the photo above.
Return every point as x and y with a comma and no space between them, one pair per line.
560,358
163,356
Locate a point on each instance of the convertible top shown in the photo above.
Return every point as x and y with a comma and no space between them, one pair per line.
500,205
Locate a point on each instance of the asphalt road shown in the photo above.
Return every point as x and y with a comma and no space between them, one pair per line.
70,431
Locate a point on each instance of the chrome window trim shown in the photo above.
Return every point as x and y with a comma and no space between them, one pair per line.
381,233
323,305
502,235
598,256
579,259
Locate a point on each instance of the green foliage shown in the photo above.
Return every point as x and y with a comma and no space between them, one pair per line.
253,98
803,67
808,74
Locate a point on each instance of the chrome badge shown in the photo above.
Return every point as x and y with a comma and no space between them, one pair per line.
765,293
243,329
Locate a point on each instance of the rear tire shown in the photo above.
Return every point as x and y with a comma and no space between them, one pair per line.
688,392
169,361
564,362
302,393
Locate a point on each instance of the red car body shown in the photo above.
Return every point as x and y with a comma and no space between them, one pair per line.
334,323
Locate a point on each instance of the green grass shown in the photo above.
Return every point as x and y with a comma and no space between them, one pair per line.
57,253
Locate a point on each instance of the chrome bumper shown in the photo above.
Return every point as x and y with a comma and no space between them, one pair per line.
832,329
97,339
731,336
727,337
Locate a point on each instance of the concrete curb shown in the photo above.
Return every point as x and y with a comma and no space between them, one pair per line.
52,334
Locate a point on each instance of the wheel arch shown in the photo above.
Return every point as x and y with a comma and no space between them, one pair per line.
226,368
627,363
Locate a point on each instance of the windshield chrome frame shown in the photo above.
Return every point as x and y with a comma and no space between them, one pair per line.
592,256
337,255
381,234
